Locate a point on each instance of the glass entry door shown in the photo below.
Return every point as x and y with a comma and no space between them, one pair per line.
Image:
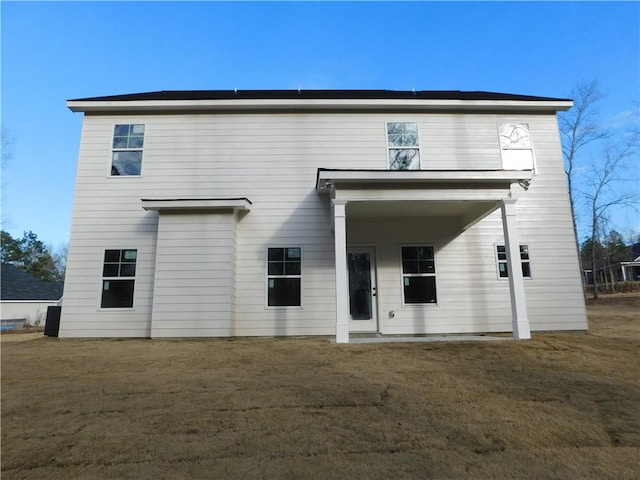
363,315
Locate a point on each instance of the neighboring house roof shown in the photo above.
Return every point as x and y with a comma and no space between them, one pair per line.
19,285
317,95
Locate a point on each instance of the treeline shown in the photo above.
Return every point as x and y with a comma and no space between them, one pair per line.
600,163
33,256
611,250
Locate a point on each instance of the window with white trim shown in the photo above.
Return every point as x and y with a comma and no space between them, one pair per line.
118,278
128,141
515,146
501,257
418,274
403,146
284,277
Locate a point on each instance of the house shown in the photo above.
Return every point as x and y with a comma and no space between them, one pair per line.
24,298
320,212
628,271
614,263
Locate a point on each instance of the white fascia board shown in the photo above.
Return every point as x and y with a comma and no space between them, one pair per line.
196,204
102,106
418,176
31,301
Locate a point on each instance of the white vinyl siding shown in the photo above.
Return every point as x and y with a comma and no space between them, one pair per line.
194,275
31,312
272,159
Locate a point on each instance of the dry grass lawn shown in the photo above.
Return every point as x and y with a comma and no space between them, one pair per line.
562,406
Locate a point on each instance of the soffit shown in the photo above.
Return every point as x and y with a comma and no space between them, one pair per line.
462,196
401,208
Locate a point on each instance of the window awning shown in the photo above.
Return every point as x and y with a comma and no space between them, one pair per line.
198,204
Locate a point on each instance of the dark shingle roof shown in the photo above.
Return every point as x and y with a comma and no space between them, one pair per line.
19,285
316,94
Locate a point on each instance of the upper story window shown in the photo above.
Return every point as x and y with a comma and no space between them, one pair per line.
403,145
127,150
515,146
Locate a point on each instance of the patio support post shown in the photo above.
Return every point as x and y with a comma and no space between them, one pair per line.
521,330
342,289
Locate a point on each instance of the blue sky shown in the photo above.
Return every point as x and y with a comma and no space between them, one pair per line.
52,52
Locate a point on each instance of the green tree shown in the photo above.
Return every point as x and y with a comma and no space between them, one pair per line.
587,253
616,249
31,255
603,256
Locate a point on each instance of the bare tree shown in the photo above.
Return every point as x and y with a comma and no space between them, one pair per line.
604,190
7,145
59,255
579,127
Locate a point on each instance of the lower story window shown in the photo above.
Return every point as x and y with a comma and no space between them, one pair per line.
419,274
503,271
118,278
284,276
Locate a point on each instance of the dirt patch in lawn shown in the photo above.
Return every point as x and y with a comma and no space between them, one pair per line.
559,406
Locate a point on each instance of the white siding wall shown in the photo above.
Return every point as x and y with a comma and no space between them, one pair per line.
272,159
35,313
194,275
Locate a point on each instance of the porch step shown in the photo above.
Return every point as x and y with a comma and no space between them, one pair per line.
377,338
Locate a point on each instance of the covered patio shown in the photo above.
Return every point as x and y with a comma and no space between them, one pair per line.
464,197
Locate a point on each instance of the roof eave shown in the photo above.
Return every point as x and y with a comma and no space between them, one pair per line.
328,178
144,106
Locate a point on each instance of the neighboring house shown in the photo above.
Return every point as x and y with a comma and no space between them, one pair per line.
24,298
326,212
629,271
619,272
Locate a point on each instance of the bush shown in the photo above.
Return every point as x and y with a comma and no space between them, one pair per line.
620,287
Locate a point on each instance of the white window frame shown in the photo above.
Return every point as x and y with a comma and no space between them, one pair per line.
506,262
104,278
515,147
267,277
391,147
403,275
126,149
